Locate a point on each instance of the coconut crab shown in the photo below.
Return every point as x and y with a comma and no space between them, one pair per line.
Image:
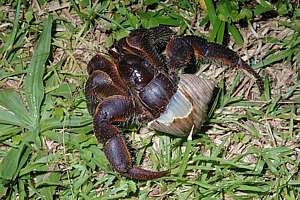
139,82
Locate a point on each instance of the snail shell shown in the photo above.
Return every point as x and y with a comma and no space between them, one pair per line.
187,108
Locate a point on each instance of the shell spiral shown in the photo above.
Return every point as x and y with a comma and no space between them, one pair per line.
188,106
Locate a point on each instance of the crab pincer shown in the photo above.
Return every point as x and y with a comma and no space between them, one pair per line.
113,109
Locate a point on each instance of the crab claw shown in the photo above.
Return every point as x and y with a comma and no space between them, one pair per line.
113,109
117,154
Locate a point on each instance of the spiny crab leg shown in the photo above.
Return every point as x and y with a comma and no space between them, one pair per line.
112,109
181,50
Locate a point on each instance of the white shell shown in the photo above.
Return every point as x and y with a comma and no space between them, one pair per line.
187,108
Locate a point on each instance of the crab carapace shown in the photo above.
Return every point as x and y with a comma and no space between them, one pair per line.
139,82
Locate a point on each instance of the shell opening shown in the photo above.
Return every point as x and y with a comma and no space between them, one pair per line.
178,107
187,108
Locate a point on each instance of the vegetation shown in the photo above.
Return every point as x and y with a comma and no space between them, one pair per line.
248,148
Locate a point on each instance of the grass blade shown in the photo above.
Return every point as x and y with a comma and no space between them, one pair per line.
13,162
10,40
185,157
8,131
235,34
274,58
211,11
7,117
11,101
221,31
34,80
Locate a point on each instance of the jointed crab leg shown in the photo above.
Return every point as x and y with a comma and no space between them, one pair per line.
112,109
98,86
100,62
181,50
147,43
104,80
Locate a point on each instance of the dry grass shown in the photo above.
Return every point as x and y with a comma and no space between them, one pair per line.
248,149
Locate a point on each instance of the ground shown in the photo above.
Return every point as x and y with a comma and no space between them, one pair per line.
247,149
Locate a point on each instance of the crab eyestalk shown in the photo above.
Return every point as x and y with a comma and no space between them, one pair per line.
187,108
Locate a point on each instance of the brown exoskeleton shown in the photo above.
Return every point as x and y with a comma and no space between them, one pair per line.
140,83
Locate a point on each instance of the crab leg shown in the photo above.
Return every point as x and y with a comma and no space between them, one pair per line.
98,86
100,62
147,43
181,51
112,109
104,80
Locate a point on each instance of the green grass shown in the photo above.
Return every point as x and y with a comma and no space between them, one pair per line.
248,148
